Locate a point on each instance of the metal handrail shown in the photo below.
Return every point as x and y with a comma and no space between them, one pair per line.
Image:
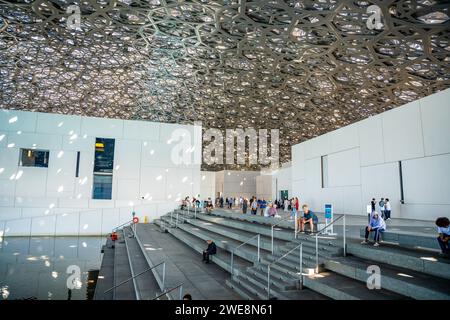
167,291
278,260
273,226
317,239
125,223
234,249
136,275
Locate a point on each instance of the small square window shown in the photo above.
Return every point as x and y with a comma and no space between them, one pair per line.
34,158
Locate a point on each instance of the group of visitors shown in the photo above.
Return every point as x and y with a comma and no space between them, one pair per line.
384,206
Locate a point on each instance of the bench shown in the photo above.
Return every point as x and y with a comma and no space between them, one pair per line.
408,239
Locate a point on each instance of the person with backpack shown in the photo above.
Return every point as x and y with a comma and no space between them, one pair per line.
254,207
387,209
381,205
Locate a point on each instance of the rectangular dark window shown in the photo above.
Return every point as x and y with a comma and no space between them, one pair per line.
34,158
400,171
102,188
324,171
104,155
77,170
103,168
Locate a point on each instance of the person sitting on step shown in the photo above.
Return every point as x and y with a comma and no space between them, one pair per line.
209,251
307,219
376,225
443,224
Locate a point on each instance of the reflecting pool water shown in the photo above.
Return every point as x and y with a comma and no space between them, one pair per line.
47,268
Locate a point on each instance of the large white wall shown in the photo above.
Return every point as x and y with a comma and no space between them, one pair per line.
52,200
233,183
363,162
208,185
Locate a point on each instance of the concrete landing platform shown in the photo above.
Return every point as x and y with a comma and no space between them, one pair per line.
184,265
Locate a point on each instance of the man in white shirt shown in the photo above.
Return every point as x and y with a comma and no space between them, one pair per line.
443,228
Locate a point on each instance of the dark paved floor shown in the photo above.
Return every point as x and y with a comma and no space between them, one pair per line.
183,264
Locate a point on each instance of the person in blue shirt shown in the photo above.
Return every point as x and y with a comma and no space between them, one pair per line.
376,225
307,218
443,229
263,206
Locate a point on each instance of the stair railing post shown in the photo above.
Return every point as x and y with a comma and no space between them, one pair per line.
268,282
301,266
317,254
231,265
295,226
271,231
164,276
259,236
181,292
345,249
195,212
176,223
171,220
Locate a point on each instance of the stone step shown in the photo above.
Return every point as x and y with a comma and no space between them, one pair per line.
275,282
146,286
409,239
249,253
309,262
339,287
251,287
277,274
405,282
241,290
255,227
105,278
237,234
122,271
261,286
427,263
222,258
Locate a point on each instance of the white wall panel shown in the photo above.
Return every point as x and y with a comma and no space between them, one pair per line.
43,225
370,132
318,146
352,200
35,141
18,227
141,130
14,120
127,162
298,161
381,181
61,174
76,142
102,127
7,213
154,184
313,173
32,183
344,168
435,111
90,223
128,189
344,138
402,133
427,180
58,124
7,187
3,139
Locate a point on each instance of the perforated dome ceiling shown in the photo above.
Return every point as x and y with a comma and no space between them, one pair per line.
305,67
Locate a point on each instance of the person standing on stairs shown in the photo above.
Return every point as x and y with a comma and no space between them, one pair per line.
376,225
210,250
387,209
381,204
443,224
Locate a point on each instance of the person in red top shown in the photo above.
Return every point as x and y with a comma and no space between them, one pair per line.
297,204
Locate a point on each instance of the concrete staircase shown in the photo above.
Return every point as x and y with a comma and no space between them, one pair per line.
122,260
405,277
405,273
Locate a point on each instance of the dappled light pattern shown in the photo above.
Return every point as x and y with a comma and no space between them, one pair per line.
306,67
